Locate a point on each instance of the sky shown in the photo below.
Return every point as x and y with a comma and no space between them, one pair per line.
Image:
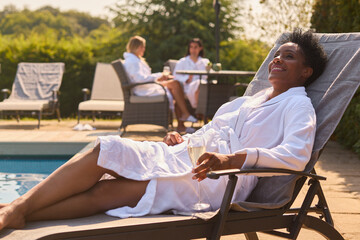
96,8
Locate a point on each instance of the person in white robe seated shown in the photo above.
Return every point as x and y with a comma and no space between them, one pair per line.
274,128
194,60
139,71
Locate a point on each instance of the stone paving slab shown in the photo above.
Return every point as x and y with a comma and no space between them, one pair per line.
340,166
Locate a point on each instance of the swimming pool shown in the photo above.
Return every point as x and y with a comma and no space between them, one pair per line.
24,165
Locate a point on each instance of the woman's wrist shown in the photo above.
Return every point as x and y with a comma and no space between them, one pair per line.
237,160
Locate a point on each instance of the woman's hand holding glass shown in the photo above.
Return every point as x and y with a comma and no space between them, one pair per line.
196,148
166,71
166,74
211,161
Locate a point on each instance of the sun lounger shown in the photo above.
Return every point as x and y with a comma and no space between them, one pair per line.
106,94
34,91
268,209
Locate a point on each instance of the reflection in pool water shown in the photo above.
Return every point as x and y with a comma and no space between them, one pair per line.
14,185
19,175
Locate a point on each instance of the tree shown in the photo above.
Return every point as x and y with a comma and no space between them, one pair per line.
65,24
335,16
246,55
277,16
169,25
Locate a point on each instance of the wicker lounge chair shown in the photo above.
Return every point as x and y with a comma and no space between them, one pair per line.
34,91
269,206
142,109
106,95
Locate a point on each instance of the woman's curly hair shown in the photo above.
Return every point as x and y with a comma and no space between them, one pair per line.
315,56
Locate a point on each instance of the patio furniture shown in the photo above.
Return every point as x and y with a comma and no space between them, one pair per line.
106,94
142,109
214,93
268,208
34,91
171,63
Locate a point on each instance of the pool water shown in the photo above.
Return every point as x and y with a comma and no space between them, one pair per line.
19,174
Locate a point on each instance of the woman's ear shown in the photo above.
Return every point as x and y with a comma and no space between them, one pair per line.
307,72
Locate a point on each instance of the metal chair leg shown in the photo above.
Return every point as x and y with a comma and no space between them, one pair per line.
39,118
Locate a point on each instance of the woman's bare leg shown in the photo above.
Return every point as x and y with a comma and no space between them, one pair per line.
178,93
77,175
180,124
105,195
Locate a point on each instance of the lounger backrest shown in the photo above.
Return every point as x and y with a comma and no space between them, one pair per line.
171,63
123,77
37,81
330,94
106,85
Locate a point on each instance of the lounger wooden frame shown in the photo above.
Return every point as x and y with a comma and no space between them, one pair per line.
226,222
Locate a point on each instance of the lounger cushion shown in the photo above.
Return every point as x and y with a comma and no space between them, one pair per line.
147,99
37,81
102,105
25,105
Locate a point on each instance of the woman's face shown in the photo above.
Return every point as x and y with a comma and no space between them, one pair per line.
288,68
194,49
140,51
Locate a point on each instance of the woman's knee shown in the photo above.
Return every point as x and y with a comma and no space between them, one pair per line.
174,84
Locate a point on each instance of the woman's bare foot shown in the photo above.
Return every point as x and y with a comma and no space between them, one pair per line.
188,118
11,217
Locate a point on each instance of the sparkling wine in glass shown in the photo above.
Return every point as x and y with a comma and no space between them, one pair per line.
166,71
196,147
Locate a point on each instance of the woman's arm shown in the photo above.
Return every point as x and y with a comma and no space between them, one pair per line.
295,149
139,73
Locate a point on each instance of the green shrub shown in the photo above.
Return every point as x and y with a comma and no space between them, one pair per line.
75,53
348,131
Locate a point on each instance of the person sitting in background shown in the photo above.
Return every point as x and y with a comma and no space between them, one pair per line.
139,71
192,61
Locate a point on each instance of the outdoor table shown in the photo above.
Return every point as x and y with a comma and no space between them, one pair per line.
221,73
216,90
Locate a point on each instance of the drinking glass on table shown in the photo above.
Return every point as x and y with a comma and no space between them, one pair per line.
166,71
196,147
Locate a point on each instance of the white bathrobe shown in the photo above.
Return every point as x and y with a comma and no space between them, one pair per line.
139,72
277,133
186,63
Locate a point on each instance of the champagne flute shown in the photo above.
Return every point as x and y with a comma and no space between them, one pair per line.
166,71
196,147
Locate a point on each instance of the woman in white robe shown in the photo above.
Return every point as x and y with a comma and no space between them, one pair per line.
192,61
274,128
139,72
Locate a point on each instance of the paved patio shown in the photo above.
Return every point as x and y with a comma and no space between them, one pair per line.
340,166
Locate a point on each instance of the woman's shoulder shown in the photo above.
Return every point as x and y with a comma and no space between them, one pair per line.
130,57
232,105
299,103
183,59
